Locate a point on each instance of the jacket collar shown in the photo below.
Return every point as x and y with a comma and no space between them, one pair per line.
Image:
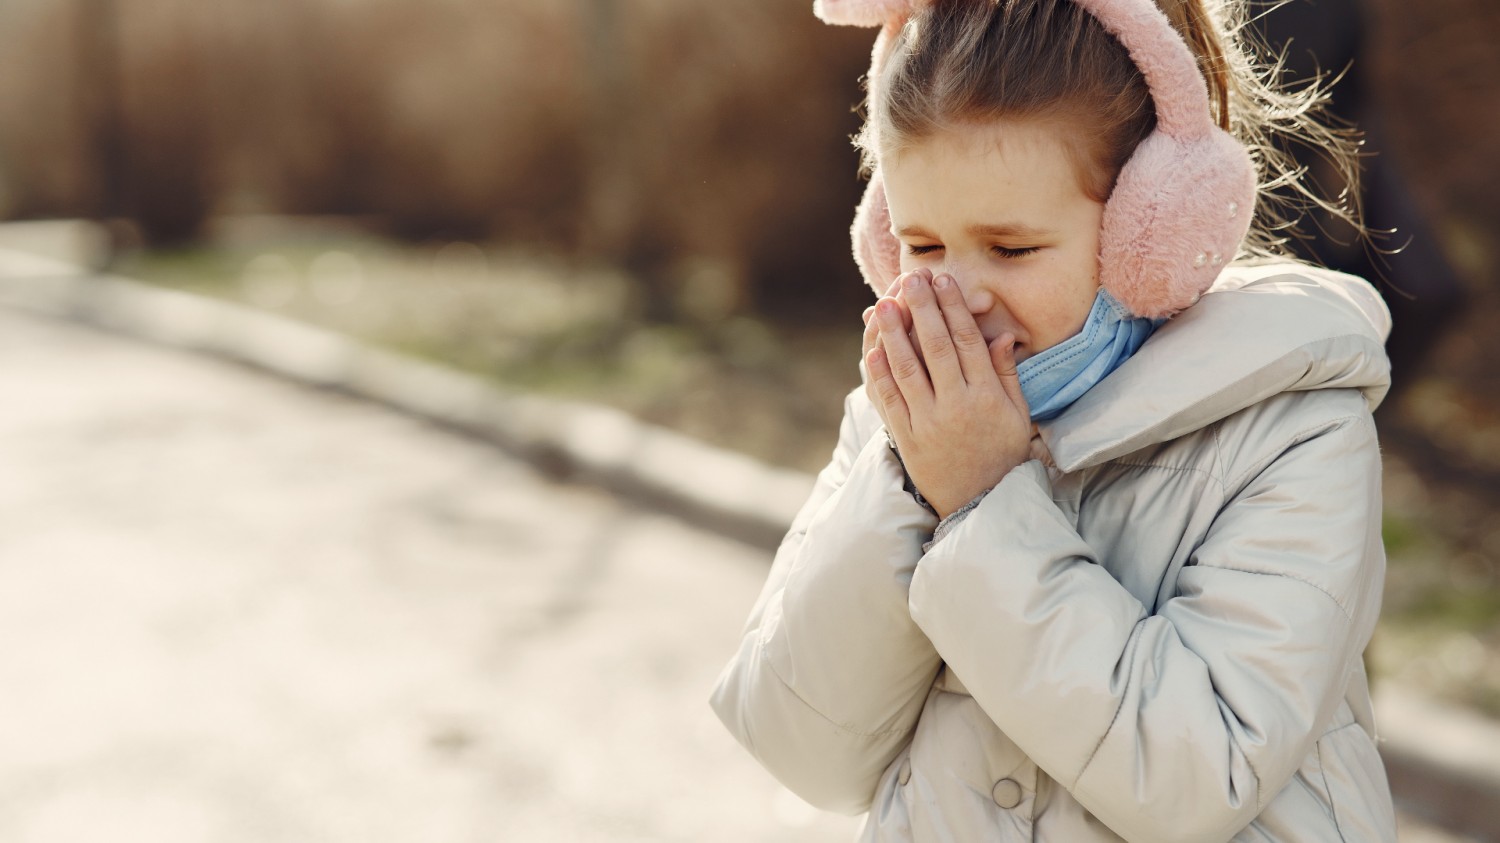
1263,329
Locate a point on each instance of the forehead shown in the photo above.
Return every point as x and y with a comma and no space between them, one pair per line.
1003,171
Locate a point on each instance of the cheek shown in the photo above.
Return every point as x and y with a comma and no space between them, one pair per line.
909,261
1058,295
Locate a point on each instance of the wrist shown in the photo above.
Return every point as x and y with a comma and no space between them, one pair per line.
946,501
908,484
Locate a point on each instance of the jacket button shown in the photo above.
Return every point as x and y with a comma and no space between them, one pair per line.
904,775
1006,793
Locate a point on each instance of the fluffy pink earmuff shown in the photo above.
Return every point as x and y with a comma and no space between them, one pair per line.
1182,203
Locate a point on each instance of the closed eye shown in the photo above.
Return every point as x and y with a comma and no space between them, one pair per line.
1000,251
1014,253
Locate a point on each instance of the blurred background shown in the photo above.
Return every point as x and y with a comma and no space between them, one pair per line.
645,204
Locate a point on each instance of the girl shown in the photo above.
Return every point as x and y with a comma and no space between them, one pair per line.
1098,552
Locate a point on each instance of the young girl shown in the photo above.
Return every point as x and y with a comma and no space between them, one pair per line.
1098,552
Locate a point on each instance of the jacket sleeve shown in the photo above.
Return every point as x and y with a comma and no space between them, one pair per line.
831,672
1182,724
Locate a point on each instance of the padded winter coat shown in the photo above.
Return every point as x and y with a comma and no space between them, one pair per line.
1157,639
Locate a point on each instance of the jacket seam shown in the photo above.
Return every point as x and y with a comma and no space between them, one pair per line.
883,733
1342,726
1309,583
1179,468
1113,718
1269,456
1323,774
1219,464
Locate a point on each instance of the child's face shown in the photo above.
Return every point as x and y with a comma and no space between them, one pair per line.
999,208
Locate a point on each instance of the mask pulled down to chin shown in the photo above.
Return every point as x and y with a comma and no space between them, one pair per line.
1053,379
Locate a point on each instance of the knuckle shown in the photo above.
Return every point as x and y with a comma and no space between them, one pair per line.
968,336
905,368
939,347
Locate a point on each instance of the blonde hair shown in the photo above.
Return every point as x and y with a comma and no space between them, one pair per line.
960,62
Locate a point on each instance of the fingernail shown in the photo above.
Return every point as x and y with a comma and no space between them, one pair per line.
942,282
913,280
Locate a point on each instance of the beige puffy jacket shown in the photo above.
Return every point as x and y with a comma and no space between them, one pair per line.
1159,639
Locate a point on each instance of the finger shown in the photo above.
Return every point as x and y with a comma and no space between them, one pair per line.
968,341
1003,358
887,394
868,342
872,333
907,370
868,316
890,290
869,377
903,306
931,330
872,330
1038,449
871,336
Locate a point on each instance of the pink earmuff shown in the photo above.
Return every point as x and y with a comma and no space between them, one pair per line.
1182,203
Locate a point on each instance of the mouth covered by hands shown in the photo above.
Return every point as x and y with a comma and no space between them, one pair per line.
951,401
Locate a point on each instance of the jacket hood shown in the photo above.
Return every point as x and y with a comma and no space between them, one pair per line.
1262,329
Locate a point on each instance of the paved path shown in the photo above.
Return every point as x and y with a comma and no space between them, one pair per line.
240,610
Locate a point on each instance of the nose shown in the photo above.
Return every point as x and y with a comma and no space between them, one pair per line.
977,295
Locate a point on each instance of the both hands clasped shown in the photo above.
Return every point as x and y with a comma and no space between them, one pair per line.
952,402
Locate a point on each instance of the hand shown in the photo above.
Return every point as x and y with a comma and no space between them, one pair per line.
957,413
871,339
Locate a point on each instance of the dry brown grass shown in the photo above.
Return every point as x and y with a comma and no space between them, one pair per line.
700,144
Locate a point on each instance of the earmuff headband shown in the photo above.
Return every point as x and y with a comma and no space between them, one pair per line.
1182,203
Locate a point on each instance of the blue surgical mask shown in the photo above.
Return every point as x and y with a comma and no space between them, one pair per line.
1055,378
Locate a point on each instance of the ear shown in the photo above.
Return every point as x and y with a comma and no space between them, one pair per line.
876,251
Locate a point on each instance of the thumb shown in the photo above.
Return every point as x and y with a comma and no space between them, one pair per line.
1003,357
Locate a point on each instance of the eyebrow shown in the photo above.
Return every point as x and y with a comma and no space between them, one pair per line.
1009,229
